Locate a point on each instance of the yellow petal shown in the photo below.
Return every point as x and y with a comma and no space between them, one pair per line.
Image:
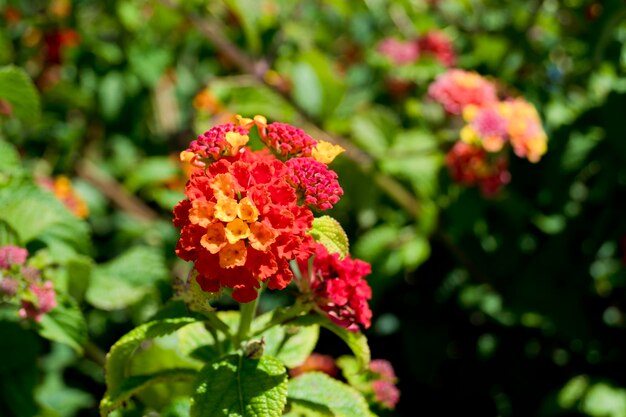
326,152
236,141
237,230
226,209
246,210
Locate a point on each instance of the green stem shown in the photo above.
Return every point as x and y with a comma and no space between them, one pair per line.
248,310
282,316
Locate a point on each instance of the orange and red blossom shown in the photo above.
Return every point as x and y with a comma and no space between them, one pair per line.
525,130
241,224
62,188
338,287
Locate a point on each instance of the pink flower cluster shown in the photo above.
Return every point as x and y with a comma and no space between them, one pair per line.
217,142
24,283
386,393
12,255
43,301
287,141
399,52
314,182
338,287
435,43
457,88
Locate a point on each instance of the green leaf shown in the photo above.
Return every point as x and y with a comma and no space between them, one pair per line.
18,90
65,324
8,236
376,242
136,383
9,158
18,369
126,279
248,12
291,344
36,214
319,392
152,170
240,386
374,129
111,94
121,352
78,276
415,156
328,231
356,341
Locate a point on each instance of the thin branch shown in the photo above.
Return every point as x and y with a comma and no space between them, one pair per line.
214,33
114,191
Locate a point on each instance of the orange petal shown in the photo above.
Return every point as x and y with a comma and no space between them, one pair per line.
261,236
223,185
237,230
233,255
215,238
201,213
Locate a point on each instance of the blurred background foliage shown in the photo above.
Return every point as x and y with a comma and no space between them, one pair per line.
504,306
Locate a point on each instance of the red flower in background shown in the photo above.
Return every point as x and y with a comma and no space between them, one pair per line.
470,165
439,45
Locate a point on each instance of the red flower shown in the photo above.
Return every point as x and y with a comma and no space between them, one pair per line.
339,287
470,165
439,45
241,224
315,183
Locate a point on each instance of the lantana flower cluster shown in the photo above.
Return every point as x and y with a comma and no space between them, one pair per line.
248,214
61,187
338,287
24,284
491,124
434,44
378,382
